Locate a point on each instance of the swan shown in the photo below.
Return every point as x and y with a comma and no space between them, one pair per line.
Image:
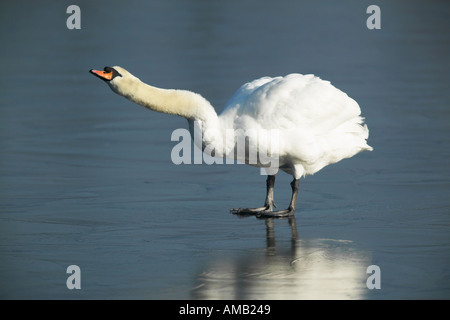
315,124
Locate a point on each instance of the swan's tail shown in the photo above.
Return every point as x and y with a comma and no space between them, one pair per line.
353,136
366,136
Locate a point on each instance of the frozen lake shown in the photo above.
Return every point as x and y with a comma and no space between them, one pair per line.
86,177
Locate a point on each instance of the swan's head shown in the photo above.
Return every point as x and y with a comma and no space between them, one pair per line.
116,77
108,73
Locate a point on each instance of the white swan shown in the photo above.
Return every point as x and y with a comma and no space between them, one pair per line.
315,124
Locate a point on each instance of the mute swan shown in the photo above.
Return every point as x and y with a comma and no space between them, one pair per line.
316,124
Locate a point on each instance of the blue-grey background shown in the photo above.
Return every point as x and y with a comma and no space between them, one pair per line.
86,177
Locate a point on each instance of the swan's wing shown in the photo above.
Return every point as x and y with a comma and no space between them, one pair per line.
314,123
240,102
290,102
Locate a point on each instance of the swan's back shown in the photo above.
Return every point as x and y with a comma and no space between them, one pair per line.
318,123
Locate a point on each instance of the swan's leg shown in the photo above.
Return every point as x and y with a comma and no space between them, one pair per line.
289,211
268,204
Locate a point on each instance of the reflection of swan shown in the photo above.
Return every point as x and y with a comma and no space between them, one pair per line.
316,124
308,269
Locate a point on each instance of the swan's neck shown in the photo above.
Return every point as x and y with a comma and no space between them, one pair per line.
187,104
192,106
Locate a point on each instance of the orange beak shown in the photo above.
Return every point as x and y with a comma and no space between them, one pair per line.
102,74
